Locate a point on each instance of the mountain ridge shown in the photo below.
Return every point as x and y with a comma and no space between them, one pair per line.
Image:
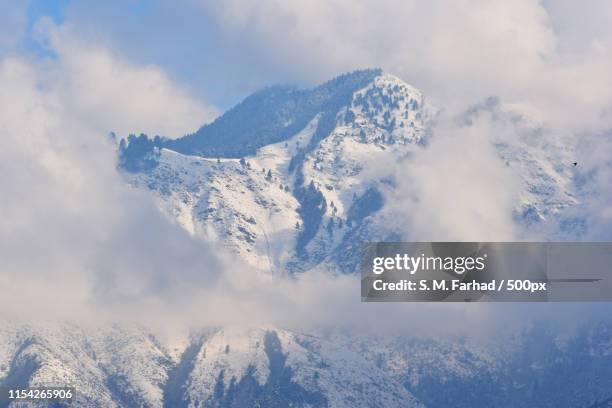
276,112
125,366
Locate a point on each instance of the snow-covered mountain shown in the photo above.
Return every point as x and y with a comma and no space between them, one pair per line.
289,204
292,179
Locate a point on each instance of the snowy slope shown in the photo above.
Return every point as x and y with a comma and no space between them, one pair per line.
110,367
271,367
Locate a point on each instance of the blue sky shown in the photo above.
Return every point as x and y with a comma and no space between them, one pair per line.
41,8
183,43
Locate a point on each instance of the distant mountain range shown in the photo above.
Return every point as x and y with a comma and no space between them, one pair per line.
267,367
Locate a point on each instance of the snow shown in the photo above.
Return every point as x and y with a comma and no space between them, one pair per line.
231,351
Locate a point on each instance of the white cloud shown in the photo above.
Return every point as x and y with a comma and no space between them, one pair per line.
457,189
114,95
73,236
458,52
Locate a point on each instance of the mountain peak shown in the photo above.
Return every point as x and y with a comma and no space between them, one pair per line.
268,116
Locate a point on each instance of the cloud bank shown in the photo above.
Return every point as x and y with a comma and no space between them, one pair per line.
72,235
